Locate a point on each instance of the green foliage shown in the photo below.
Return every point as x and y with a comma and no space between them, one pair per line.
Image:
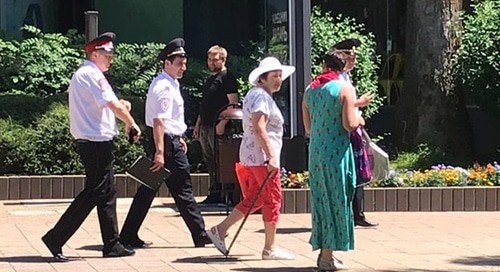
39,65
125,153
24,109
241,67
51,148
478,62
327,31
195,156
412,160
134,67
192,86
46,147
424,156
244,87
13,147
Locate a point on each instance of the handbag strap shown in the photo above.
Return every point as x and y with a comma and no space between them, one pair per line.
365,135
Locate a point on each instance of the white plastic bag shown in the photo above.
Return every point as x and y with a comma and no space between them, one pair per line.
379,160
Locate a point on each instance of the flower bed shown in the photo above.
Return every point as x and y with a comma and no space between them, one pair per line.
294,180
438,176
444,176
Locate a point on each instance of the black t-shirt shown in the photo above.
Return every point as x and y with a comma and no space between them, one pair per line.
215,92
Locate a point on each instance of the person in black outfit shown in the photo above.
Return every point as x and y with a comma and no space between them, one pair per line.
92,109
220,89
164,144
349,46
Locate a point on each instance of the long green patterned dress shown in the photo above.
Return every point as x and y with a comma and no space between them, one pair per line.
332,170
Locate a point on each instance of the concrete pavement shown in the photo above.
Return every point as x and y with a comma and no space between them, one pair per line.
452,241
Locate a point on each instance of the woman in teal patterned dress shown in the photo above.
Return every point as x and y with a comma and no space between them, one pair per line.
329,116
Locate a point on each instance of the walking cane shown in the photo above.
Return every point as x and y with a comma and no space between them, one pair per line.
248,212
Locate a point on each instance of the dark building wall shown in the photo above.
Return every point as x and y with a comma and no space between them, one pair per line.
384,18
70,15
229,23
142,21
40,13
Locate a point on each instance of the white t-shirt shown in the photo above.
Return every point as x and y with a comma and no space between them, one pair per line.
164,101
89,92
345,77
258,100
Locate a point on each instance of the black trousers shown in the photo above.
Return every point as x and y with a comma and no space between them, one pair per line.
179,185
97,157
357,204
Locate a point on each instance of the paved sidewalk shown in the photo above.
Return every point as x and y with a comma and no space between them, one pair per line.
453,241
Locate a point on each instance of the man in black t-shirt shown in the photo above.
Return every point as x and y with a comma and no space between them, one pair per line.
219,90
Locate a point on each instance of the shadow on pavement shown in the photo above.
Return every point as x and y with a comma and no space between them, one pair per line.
276,269
39,202
479,261
91,247
213,259
421,270
167,247
25,259
288,230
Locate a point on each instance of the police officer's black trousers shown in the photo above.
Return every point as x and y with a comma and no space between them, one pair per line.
180,187
357,204
97,158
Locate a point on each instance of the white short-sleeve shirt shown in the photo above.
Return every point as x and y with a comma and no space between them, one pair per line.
164,101
89,92
345,77
258,100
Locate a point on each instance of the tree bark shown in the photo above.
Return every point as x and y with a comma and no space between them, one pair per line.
431,108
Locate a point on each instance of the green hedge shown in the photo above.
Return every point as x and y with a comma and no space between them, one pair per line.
40,65
326,31
478,61
39,143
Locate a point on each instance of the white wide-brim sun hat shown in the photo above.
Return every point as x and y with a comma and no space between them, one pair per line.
270,64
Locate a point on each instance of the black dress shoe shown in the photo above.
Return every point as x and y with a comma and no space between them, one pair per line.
202,241
59,257
211,199
56,251
138,243
118,250
365,223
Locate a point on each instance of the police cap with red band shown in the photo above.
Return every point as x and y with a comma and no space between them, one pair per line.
102,42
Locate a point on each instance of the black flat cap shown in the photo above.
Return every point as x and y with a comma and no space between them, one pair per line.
103,41
347,44
173,48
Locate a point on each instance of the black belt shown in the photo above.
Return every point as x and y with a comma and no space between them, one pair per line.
149,132
172,136
89,141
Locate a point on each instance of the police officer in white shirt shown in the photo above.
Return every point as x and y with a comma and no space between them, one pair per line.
93,107
348,47
165,122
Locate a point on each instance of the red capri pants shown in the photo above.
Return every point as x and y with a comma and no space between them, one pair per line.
250,179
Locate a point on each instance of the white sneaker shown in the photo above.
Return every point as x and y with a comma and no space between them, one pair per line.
277,254
213,234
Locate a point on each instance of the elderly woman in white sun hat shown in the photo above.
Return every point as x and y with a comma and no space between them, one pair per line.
260,154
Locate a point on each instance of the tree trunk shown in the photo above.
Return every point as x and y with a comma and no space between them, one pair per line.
431,108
